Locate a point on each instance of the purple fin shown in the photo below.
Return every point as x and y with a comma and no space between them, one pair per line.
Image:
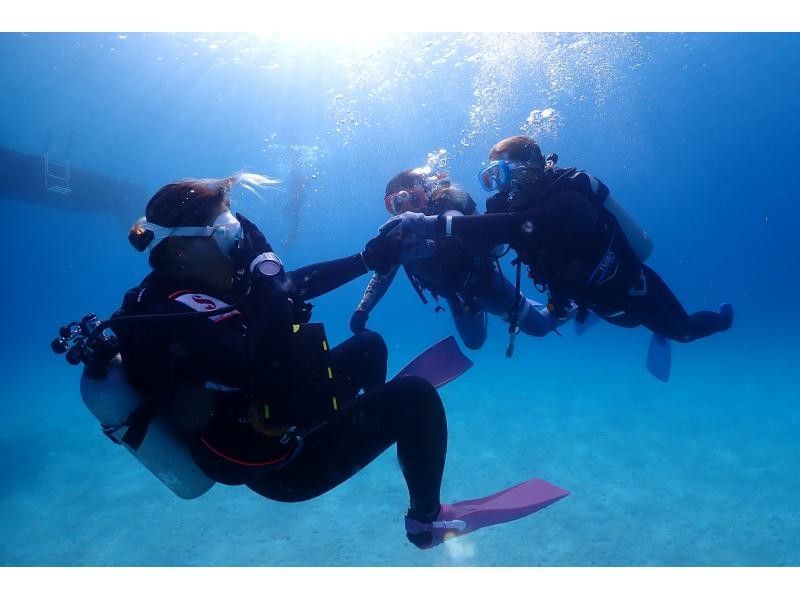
659,357
507,505
439,364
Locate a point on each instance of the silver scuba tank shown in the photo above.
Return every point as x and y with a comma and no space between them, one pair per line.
112,400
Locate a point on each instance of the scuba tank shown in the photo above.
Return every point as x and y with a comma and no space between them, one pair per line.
117,406
124,414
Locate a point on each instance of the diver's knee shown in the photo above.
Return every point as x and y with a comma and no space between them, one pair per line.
472,330
537,323
373,344
416,393
473,343
416,385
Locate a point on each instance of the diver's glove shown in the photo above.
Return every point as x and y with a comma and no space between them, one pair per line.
381,253
499,203
414,233
358,321
414,248
254,253
411,224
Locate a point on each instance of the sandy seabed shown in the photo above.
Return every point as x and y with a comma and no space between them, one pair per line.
700,471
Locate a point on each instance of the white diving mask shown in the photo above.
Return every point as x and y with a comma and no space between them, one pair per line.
225,230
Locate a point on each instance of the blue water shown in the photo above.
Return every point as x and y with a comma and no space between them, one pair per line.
695,134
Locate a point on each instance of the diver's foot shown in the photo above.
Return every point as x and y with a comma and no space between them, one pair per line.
419,529
445,525
421,540
467,516
726,311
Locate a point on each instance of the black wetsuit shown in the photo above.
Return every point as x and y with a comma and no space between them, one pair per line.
576,249
242,393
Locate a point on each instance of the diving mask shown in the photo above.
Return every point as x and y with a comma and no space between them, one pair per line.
416,198
406,200
225,230
497,175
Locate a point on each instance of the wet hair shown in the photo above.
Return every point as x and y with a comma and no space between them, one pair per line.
452,197
404,180
518,148
188,202
418,177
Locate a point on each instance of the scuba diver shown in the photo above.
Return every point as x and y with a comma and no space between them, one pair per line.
472,284
578,243
220,361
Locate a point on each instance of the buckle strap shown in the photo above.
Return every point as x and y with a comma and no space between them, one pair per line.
513,320
417,286
135,427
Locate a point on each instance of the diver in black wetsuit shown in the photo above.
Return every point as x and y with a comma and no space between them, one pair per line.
255,391
576,241
471,284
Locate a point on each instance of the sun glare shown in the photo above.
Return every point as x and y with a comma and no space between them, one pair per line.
338,39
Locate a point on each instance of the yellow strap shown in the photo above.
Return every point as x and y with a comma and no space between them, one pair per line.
335,404
324,345
330,373
295,328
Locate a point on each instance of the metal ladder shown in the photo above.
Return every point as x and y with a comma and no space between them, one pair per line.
56,175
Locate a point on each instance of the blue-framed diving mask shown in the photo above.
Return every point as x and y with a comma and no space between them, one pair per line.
497,175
